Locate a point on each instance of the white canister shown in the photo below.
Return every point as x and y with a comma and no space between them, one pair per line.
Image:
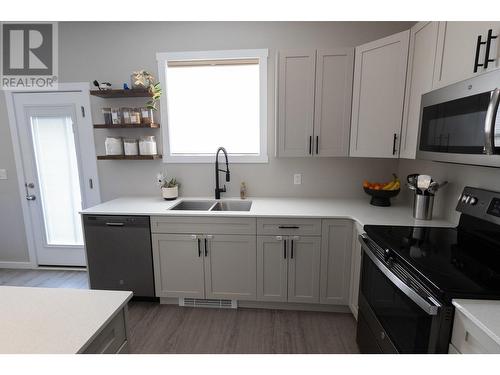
130,146
147,145
113,145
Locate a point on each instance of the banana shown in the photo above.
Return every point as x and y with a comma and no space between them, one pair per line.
395,184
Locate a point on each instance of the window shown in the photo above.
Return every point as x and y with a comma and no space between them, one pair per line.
212,99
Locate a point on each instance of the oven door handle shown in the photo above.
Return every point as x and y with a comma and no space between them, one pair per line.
489,123
429,308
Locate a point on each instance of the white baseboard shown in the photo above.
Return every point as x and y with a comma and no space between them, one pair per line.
18,265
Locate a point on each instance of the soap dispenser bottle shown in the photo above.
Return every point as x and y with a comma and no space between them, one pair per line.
243,190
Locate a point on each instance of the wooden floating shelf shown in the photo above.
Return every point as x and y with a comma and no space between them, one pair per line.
129,157
127,126
132,93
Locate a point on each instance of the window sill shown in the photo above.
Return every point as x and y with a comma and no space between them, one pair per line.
205,159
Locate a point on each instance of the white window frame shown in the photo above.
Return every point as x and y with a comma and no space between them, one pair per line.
163,58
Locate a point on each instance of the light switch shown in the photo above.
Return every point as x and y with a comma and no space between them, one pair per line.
297,179
3,174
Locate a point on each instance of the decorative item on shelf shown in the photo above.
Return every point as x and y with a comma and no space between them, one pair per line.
135,116
141,79
126,115
102,85
155,91
113,146
130,146
170,189
125,86
147,115
107,116
147,145
116,116
382,192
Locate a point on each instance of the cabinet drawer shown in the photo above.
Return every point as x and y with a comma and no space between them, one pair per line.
112,338
209,225
468,338
304,227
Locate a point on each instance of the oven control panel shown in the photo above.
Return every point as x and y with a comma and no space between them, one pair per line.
480,203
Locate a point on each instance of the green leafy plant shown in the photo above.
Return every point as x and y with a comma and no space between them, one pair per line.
169,183
155,91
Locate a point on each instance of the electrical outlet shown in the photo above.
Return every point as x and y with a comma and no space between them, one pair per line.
297,179
159,178
3,174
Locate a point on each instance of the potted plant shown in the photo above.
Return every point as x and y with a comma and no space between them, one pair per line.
170,189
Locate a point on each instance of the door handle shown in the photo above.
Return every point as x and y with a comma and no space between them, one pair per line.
206,247
284,248
317,145
310,144
29,197
489,123
478,50
394,140
199,247
288,227
291,248
111,224
487,59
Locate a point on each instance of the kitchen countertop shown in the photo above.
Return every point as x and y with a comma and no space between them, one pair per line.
53,320
356,209
485,314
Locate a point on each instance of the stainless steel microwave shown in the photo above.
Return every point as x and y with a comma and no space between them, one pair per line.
460,123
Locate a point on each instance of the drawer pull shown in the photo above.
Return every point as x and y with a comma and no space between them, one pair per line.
288,227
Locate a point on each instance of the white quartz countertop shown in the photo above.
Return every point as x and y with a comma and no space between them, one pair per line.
356,209
485,314
53,320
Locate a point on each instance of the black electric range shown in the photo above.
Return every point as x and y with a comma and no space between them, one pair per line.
411,274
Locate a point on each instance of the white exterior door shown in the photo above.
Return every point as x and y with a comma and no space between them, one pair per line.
58,172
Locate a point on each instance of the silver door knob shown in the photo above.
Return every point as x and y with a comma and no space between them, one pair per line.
29,197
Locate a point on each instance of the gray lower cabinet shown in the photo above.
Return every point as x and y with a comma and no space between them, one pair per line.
205,266
113,337
288,268
230,267
178,265
336,249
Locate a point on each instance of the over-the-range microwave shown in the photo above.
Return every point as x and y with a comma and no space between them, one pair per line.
460,123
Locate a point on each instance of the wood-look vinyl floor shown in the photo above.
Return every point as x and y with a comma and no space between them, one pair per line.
156,328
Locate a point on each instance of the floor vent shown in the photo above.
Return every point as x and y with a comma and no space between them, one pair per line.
213,303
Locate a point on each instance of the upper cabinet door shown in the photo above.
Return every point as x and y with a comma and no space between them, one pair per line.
296,102
457,47
422,56
378,94
332,114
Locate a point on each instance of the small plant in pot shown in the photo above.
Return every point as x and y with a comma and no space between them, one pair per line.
170,189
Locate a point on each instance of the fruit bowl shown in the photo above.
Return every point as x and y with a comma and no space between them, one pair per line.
381,197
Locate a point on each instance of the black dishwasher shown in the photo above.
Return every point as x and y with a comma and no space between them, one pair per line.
119,253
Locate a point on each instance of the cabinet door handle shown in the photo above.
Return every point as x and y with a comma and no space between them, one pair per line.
487,59
112,224
291,248
199,248
284,248
206,247
317,145
310,144
478,50
394,140
288,227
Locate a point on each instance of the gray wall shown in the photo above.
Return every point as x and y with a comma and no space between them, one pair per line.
110,51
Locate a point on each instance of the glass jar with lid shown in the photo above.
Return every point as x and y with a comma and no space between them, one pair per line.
114,145
126,115
116,116
135,116
130,146
147,145
106,112
147,115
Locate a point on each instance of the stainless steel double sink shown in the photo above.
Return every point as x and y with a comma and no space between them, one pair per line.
212,205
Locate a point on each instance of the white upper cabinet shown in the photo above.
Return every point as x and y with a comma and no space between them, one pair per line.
332,106
419,78
457,49
296,102
314,100
378,95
